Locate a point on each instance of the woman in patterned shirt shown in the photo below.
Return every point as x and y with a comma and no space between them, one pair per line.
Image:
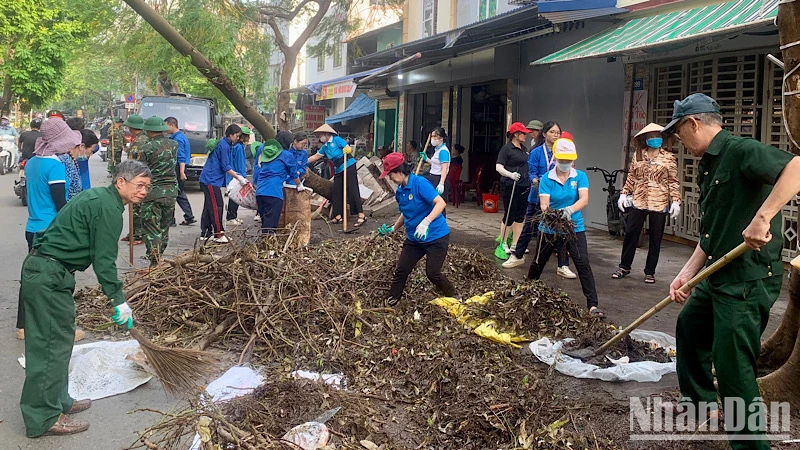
651,191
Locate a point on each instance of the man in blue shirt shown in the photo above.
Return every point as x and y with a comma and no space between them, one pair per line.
427,234
239,165
184,155
212,178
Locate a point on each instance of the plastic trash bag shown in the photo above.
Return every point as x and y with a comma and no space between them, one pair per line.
243,195
549,352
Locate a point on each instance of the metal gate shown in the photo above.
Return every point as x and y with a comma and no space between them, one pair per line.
748,90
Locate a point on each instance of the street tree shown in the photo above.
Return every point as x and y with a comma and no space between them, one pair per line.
782,349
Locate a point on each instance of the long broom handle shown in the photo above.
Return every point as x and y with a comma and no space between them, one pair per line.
130,233
424,150
705,273
508,207
344,190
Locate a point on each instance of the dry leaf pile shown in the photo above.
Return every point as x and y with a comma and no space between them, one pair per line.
414,377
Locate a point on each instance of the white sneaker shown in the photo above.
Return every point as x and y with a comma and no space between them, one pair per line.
527,251
222,239
233,222
564,272
257,218
506,249
512,261
204,238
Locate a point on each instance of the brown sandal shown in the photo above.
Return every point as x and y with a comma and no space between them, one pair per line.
360,221
620,273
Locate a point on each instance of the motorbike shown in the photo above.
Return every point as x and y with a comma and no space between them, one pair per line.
20,186
616,218
103,149
8,154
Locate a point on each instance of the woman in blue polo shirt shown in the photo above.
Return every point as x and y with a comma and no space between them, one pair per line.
427,234
566,190
334,148
440,161
274,165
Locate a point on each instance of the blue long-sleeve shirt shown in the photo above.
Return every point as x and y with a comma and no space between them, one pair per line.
540,161
301,156
271,175
217,164
238,162
184,149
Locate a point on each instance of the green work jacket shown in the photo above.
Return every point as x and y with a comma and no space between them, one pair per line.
84,233
735,176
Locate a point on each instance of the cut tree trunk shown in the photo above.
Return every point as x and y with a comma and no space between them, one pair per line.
213,73
784,383
320,185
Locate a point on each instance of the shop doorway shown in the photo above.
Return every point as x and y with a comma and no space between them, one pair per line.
487,129
427,115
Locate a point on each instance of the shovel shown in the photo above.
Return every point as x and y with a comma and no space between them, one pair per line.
584,353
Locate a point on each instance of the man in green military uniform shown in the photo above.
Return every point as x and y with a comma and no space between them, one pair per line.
135,123
743,185
116,144
158,208
83,233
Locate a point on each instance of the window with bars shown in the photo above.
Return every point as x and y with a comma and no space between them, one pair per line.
487,9
428,18
337,55
321,63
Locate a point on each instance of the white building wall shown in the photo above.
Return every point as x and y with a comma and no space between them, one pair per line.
585,98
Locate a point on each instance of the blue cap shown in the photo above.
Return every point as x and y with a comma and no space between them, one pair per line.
693,104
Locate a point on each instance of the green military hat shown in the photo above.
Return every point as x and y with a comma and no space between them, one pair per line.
535,125
246,130
134,121
271,150
211,144
154,123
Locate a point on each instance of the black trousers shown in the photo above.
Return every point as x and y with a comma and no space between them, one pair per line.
580,256
183,201
20,306
633,228
269,209
517,205
530,229
211,220
233,210
353,196
410,255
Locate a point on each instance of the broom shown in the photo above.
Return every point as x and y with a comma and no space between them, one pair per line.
179,369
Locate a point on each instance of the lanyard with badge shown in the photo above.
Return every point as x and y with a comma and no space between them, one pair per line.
548,159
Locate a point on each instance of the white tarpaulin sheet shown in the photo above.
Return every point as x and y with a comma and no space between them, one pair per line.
99,369
549,352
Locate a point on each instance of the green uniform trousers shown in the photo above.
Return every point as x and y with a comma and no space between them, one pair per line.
157,216
722,324
113,159
47,289
138,228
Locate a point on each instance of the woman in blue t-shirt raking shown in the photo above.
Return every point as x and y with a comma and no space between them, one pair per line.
566,190
427,233
334,148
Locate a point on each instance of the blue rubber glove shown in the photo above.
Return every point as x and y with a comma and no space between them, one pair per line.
422,230
384,230
123,315
423,156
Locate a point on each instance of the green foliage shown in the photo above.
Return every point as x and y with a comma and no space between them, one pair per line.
36,40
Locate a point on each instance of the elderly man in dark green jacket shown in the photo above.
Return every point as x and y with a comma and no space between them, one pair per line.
84,233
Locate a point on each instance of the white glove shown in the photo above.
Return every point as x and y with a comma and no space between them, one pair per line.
300,187
623,199
515,176
675,210
440,188
242,180
422,229
123,315
567,212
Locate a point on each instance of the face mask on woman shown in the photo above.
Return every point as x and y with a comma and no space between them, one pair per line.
654,142
323,139
564,167
436,142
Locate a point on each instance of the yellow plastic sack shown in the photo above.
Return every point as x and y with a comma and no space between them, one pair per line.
485,328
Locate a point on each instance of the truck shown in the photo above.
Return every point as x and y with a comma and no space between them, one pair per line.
198,118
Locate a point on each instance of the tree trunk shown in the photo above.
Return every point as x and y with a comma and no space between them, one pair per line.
5,102
784,384
320,185
282,111
214,74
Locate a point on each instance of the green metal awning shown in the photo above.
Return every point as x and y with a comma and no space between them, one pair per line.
677,27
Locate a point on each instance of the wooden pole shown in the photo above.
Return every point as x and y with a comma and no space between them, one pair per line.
424,150
344,189
130,233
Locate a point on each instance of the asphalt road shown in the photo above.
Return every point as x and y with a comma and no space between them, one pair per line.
112,427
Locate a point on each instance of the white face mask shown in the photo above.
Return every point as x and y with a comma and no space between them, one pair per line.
436,142
323,139
564,167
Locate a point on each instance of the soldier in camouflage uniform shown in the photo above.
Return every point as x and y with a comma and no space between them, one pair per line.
116,144
135,123
158,208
